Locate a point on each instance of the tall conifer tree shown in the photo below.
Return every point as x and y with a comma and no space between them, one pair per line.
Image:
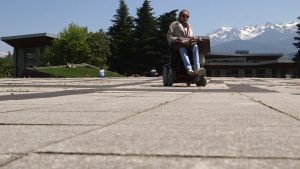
146,35
122,40
297,58
162,45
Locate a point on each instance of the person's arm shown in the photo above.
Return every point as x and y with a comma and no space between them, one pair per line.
170,34
191,35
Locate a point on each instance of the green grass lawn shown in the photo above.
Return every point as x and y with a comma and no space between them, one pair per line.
75,72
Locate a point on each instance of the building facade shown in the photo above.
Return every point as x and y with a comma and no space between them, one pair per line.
27,49
243,64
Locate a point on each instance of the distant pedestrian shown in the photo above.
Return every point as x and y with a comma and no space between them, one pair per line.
102,72
153,72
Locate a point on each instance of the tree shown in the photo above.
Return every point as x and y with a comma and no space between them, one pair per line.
98,43
73,42
76,45
297,44
70,47
146,33
162,44
6,66
122,42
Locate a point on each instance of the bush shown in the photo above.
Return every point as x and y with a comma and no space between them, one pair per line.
6,67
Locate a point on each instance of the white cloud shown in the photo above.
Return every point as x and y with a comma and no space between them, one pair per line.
3,54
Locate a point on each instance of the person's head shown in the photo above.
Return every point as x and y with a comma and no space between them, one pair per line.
101,67
184,16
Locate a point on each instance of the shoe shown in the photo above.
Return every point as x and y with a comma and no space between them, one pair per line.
199,72
190,72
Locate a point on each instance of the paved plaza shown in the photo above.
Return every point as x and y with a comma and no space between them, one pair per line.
136,123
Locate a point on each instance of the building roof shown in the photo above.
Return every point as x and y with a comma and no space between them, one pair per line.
280,63
30,40
255,56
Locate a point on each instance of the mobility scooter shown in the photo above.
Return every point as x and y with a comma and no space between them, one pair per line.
175,72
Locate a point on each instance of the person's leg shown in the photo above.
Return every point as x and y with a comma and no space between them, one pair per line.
185,58
196,57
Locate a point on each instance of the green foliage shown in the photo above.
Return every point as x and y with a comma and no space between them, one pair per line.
49,55
297,44
131,45
145,22
75,72
162,45
146,35
122,41
73,44
122,22
98,43
70,47
6,66
76,45
138,46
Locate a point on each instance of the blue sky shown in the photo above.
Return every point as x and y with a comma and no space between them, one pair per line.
51,16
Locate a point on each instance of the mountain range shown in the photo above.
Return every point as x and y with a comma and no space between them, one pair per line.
262,38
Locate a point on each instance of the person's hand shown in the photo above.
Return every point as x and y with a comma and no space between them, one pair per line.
193,41
182,38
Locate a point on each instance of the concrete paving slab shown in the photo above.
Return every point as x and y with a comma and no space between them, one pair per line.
5,158
232,109
284,102
23,139
137,103
263,142
136,162
12,108
62,117
47,101
29,104
138,123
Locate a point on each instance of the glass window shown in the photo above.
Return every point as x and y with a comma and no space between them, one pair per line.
274,72
29,55
260,72
248,72
232,73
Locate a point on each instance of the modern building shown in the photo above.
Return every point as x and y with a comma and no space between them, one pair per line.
27,49
243,64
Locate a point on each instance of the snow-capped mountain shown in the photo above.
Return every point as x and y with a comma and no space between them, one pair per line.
263,38
227,34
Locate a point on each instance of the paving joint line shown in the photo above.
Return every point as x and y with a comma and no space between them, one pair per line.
270,107
10,111
11,161
32,124
19,110
168,155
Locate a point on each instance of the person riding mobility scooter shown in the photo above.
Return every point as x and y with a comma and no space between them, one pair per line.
175,71
183,45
